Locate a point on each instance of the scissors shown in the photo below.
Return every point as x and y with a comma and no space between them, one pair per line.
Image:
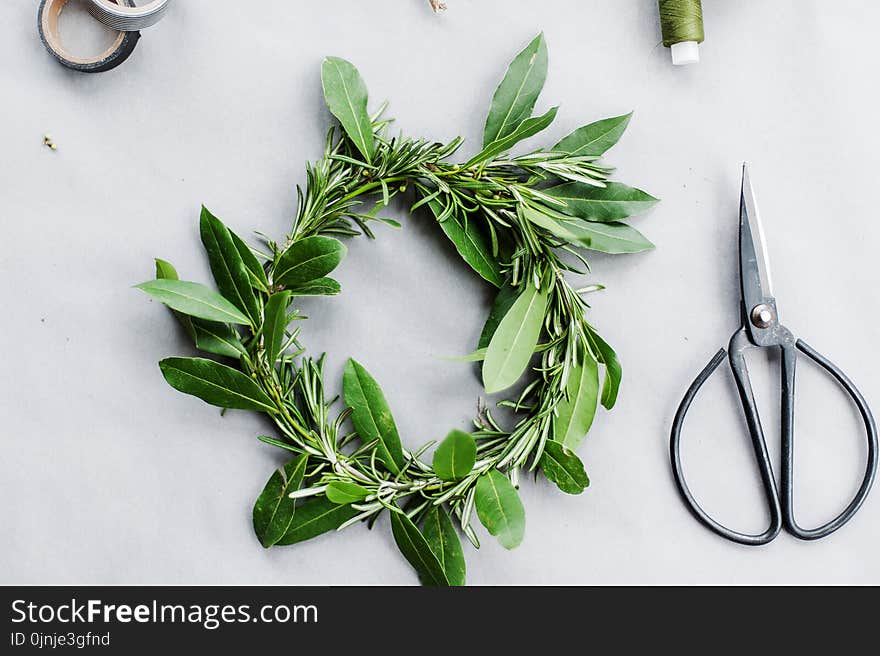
761,329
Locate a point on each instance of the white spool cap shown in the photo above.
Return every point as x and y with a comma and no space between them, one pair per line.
686,52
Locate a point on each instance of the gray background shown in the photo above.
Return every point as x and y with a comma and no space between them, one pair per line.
109,476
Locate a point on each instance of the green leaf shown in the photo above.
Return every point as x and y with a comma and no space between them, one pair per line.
415,549
252,264
208,336
594,139
564,468
316,517
576,410
346,97
317,287
455,456
274,509
500,509
307,260
165,270
514,342
342,492
471,244
275,324
515,97
613,370
215,383
612,202
612,238
528,128
194,299
443,540
230,273
371,415
506,297
217,338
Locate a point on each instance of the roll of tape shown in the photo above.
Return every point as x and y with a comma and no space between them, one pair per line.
128,19
112,57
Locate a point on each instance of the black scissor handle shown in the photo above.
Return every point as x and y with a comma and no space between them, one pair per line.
738,344
789,362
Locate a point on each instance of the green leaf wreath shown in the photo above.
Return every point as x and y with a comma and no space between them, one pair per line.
520,221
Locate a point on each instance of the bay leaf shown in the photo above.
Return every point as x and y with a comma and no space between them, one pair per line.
346,96
514,341
274,509
371,415
314,517
564,468
613,370
194,299
415,549
500,509
505,298
528,128
344,492
252,264
317,287
516,95
217,338
614,237
227,266
594,139
470,242
613,202
576,410
455,456
275,324
307,260
216,384
443,540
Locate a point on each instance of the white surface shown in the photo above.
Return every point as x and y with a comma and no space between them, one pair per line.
109,476
686,52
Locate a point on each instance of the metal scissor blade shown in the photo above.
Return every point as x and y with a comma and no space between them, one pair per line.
754,269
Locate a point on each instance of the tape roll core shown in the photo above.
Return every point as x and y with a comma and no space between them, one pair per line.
118,51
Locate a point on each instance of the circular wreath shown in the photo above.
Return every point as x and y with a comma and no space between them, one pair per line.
521,222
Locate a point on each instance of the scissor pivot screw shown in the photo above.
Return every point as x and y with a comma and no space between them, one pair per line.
762,316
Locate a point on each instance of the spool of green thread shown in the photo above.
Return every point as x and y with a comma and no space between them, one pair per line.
681,24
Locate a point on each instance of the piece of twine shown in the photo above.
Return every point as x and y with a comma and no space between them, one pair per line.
680,21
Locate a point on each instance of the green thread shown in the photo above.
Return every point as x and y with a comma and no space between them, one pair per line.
681,20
